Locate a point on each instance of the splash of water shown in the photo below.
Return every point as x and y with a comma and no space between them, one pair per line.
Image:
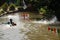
53,20
24,7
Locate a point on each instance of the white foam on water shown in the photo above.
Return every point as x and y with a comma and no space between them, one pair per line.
53,20
13,32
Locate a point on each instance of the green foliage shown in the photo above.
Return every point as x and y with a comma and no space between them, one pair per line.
1,12
12,6
42,11
4,6
18,2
